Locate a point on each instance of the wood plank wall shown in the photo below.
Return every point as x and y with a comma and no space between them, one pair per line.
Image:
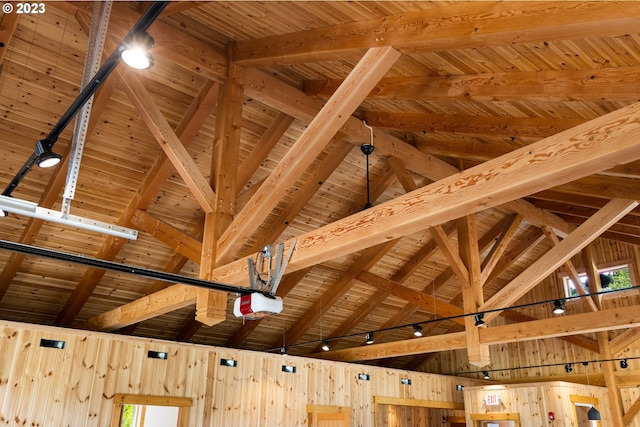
534,402
76,385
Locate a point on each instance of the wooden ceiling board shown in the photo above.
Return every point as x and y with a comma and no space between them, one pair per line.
40,78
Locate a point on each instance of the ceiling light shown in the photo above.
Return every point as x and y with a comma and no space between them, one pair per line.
417,330
45,157
593,414
485,375
136,52
49,159
568,368
479,318
368,337
624,364
325,345
283,351
558,306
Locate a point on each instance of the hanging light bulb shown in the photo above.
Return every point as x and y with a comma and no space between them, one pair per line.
325,345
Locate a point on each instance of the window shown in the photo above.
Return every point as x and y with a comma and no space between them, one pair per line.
145,411
612,278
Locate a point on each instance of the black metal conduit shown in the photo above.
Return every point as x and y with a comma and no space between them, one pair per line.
123,268
45,144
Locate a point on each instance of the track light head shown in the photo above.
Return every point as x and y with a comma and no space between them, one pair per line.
479,318
135,52
45,157
325,345
568,368
283,351
368,337
624,364
558,306
417,330
485,375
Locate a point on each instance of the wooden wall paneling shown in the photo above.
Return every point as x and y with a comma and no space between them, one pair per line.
81,374
630,402
77,385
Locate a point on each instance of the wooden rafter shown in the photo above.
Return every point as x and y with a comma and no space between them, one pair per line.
575,324
558,255
313,140
545,85
441,29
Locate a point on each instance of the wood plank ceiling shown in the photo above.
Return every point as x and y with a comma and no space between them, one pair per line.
505,138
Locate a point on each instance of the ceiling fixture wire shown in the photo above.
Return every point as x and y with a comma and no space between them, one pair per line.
367,149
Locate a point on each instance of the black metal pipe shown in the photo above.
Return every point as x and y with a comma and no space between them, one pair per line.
145,21
123,268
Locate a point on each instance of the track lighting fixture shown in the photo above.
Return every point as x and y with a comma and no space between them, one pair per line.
479,318
624,364
368,337
45,157
42,155
417,330
558,306
485,375
136,51
568,368
325,345
283,351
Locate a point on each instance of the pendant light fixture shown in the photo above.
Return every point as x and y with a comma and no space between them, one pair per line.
367,149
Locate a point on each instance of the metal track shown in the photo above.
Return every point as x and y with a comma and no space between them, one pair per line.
123,268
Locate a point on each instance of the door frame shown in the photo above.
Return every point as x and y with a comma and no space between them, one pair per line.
416,403
334,412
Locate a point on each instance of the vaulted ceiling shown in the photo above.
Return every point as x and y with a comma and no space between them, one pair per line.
505,141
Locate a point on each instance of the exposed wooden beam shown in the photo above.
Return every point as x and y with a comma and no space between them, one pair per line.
472,293
573,274
169,299
455,262
624,340
325,125
500,246
166,137
632,412
574,324
597,145
459,26
546,86
558,255
171,236
426,302
515,127
283,97
613,394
